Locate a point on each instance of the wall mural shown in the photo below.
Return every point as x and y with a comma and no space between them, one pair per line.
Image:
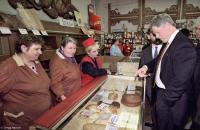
131,17
189,11
150,13
53,8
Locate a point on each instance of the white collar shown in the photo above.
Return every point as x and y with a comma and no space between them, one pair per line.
173,36
59,54
19,60
154,45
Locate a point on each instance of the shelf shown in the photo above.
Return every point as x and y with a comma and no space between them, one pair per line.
3,57
46,55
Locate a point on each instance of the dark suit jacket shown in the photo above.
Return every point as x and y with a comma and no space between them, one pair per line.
177,68
196,98
146,57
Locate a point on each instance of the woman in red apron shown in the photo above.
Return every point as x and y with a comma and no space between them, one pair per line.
91,64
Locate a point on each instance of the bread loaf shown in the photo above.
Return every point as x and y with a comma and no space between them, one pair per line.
131,100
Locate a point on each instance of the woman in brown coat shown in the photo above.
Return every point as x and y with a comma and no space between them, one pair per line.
24,85
64,70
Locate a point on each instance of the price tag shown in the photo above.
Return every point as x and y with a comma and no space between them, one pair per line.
23,31
108,101
5,30
104,93
36,32
101,92
114,119
131,87
111,127
102,106
44,32
130,92
86,113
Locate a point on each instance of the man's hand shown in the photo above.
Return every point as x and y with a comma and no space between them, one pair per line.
142,72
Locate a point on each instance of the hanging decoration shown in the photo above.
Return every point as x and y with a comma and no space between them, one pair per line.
53,8
94,20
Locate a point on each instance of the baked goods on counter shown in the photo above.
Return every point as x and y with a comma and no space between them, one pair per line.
111,107
112,96
131,100
98,108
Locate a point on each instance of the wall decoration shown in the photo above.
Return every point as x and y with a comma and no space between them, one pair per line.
53,8
150,13
116,17
78,18
144,12
191,11
94,20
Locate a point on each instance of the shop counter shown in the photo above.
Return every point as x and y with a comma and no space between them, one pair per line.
101,105
62,111
106,111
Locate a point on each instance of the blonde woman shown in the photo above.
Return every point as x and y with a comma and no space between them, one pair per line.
91,64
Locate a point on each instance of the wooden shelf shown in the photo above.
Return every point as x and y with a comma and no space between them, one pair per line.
3,57
47,54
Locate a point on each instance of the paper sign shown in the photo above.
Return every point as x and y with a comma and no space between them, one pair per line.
78,18
86,113
102,106
111,127
36,32
44,32
131,87
23,31
104,93
96,98
65,22
114,119
5,30
130,92
107,101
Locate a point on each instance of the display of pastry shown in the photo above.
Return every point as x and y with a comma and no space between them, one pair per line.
92,107
114,107
112,96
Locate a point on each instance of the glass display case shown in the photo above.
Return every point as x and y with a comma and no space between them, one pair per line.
108,102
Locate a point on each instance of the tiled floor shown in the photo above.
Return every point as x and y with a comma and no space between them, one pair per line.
147,128
147,117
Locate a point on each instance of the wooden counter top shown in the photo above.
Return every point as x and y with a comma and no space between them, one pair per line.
54,117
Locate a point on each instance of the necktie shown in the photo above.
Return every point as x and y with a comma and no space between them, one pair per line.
164,47
155,52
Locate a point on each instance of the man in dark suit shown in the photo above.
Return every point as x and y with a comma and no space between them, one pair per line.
173,70
149,53
196,110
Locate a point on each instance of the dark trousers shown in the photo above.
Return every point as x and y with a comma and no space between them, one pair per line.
167,117
195,126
